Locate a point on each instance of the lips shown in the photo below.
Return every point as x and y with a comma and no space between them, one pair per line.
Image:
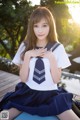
40,35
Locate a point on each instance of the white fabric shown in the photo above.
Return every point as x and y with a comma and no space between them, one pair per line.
17,58
48,84
61,57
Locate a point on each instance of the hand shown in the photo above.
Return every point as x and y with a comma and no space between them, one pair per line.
36,52
48,54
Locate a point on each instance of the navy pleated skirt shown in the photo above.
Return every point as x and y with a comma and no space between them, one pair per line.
42,103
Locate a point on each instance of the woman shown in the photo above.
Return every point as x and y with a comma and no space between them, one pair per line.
40,71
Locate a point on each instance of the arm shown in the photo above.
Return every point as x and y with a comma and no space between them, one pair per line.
24,68
55,71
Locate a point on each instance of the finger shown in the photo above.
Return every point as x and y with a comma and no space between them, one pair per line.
43,50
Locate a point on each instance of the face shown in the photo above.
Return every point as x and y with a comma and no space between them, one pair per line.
41,29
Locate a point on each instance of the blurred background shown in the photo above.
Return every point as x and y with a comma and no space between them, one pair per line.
14,16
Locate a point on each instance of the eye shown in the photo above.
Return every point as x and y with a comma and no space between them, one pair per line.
35,25
45,25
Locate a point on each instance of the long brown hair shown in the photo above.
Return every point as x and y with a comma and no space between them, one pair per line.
36,16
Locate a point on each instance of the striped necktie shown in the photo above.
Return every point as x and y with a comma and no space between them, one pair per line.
39,71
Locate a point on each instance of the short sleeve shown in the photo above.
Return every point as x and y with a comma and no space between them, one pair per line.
62,57
17,58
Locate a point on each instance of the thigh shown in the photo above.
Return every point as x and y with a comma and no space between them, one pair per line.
13,112
68,115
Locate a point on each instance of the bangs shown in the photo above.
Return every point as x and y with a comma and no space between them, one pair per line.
37,17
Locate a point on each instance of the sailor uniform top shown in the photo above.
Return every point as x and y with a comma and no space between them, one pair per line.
39,95
46,83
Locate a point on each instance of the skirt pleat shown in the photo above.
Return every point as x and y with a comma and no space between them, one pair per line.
42,103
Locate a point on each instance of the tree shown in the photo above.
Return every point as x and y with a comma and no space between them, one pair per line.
61,14
14,16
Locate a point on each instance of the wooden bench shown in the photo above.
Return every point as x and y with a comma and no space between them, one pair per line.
8,82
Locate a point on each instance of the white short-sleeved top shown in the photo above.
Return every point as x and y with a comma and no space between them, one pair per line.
62,62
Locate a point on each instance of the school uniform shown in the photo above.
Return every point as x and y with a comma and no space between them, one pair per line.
40,95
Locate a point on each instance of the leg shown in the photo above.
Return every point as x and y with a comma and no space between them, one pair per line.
68,115
13,112
76,110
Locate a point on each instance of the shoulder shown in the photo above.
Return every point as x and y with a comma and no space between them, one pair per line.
22,45
61,55
55,46
60,47
17,58
21,48
60,51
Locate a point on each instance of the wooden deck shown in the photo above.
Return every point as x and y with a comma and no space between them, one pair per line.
8,82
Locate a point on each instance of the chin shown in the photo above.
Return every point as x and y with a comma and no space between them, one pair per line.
41,38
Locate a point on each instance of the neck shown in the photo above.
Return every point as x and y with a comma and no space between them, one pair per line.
42,43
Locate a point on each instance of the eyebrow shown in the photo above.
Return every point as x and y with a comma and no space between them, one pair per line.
45,23
42,23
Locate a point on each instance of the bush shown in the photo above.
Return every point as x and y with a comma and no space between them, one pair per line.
8,66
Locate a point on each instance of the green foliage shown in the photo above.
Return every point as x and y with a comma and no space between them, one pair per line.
60,10
8,66
14,15
13,24
61,15
68,33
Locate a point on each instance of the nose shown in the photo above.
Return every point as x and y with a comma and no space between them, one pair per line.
40,30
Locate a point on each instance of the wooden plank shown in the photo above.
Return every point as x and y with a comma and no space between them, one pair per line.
8,82
2,93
